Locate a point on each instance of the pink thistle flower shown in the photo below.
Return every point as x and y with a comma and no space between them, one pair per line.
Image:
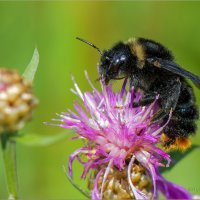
117,134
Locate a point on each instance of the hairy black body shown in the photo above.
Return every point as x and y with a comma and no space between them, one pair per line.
151,68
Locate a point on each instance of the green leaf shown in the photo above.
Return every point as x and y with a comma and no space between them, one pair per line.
177,156
31,69
81,190
31,139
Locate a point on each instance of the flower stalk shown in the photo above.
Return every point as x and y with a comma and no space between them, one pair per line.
10,165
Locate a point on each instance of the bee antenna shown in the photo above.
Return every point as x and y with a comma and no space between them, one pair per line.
89,43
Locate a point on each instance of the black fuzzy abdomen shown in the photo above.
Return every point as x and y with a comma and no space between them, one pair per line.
183,121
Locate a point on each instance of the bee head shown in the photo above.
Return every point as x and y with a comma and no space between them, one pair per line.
116,63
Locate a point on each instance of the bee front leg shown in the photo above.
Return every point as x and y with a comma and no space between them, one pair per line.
147,99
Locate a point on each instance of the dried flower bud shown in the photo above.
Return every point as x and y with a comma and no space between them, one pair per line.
117,186
16,101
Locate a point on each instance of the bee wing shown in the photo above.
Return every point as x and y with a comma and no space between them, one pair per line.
175,68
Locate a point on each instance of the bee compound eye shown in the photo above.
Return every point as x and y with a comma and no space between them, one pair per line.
123,58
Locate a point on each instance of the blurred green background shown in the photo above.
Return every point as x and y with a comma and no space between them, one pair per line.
52,27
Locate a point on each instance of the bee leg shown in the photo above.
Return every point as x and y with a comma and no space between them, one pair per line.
147,99
168,142
168,100
159,115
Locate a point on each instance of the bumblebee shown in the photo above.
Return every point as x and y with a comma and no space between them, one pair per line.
151,67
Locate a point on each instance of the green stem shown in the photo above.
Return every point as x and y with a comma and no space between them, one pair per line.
9,159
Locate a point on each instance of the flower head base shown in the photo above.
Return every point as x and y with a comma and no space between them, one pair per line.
16,101
116,186
118,137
